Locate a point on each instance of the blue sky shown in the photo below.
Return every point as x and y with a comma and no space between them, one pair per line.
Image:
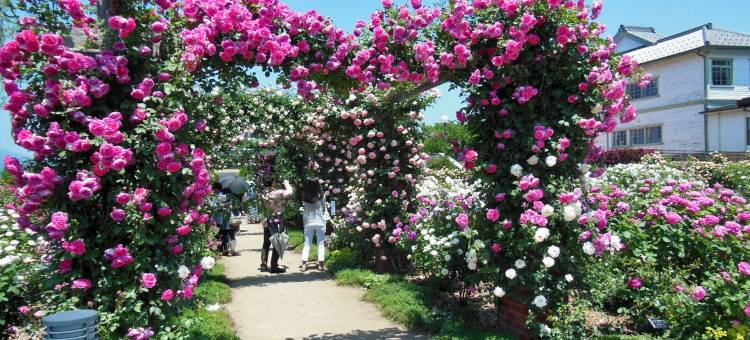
667,16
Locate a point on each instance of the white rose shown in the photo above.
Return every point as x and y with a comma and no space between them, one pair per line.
444,272
207,262
516,170
548,261
434,253
541,234
550,161
568,277
533,160
546,330
569,213
447,257
510,273
539,301
472,266
614,242
588,248
548,210
498,292
553,251
183,272
520,264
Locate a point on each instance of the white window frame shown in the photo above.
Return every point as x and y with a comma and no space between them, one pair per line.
630,133
614,139
634,86
730,67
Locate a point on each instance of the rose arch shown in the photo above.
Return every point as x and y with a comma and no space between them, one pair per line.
123,129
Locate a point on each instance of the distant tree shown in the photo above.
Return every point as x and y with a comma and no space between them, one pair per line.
442,137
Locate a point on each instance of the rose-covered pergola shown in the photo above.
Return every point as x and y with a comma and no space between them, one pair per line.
119,133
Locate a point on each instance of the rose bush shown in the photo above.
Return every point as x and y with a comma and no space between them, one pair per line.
439,249
686,257
21,276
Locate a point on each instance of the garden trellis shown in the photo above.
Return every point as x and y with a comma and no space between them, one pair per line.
119,135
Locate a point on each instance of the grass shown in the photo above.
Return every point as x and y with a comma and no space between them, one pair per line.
411,305
207,325
297,241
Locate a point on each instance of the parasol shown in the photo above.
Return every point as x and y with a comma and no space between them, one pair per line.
234,183
279,241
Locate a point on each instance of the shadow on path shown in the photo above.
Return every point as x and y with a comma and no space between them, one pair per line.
266,280
386,333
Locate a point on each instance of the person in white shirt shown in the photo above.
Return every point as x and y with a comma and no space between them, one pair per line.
314,218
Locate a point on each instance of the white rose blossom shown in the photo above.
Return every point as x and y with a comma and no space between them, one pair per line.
183,272
520,264
533,160
207,262
541,234
540,301
553,251
498,292
569,213
516,170
510,273
550,161
548,210
588,248
548,262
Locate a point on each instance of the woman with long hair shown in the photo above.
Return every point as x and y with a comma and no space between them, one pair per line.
314,220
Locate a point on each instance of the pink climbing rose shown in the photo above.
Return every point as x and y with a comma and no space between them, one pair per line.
83,284
148,280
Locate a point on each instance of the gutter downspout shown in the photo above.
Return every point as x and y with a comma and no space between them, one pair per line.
706,76
705,99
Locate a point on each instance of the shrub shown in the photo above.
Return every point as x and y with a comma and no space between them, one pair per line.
340,259
686,258
623,156
21,276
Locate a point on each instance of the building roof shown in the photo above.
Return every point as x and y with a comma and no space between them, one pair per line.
648,34
742,103
687,41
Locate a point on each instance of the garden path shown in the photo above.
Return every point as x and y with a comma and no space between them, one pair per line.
297,305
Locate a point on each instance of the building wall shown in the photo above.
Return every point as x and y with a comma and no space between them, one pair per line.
680,81
677,108
727,131
627,44
740,76
682,129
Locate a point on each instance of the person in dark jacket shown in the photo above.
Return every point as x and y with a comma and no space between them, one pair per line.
221,217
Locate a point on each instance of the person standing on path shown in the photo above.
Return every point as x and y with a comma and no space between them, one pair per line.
314,218
273,201
220,202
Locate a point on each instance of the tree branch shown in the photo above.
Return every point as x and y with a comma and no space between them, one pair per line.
403,95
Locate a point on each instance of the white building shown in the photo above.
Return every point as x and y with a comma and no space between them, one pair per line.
695,101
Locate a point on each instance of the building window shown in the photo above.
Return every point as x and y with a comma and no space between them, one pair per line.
637,137
721,72
620,138
653,135
645,136
635,91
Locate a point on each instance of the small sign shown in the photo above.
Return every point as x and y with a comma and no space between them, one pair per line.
657,323
333,208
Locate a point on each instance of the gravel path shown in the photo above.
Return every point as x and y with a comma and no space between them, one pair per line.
297,305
